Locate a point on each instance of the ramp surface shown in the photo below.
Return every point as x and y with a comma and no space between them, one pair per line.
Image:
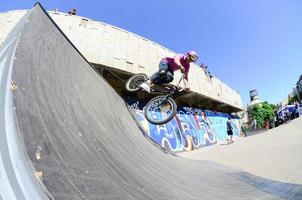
83,143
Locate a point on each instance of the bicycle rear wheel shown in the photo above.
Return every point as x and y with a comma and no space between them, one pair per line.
160,110
133,83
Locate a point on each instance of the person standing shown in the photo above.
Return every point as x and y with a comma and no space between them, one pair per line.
229,130
243,130
254,124
296,109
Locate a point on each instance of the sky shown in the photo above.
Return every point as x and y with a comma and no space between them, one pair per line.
248,44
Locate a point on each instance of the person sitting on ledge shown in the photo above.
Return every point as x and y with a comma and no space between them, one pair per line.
73,12
206,70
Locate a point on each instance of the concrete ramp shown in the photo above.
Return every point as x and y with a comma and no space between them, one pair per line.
79,141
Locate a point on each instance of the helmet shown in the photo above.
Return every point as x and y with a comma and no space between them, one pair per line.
193,55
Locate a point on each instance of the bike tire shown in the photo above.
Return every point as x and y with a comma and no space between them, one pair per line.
148,110
132,84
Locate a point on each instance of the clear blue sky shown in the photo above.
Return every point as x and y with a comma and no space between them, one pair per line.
248,44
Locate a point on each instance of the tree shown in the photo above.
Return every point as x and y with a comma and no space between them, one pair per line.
263,112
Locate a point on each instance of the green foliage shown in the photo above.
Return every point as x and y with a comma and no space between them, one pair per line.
263,112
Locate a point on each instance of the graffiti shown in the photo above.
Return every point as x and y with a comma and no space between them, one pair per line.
135,106
190,126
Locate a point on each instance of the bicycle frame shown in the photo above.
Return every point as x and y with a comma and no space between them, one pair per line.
163,103
172,91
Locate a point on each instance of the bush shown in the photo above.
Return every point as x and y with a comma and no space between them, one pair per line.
263,112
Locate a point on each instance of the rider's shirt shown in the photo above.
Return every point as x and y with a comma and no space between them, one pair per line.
173,66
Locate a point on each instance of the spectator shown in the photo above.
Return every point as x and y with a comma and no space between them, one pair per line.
206,70
243,130
254,124
73,12
297,109
287,114
229,131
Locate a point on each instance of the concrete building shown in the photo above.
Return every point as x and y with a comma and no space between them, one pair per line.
298,89
254,100
117,53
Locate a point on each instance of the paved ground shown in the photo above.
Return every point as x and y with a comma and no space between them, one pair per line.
274,154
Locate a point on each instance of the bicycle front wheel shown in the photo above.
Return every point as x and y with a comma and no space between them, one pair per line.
160,110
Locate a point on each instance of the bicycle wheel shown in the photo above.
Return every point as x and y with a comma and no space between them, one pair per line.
132,84
160,110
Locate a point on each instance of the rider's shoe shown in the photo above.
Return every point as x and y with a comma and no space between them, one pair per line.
146,87
162,73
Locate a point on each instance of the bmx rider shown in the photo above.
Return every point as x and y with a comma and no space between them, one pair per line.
168,66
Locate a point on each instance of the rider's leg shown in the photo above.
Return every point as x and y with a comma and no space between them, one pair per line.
155,78
158,78
168,77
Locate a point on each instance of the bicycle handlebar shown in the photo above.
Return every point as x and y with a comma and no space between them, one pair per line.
182,77
177,86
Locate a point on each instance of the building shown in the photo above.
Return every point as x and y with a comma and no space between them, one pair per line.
117,53
254,100
298,89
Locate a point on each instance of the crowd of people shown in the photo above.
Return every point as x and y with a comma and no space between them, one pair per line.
287,113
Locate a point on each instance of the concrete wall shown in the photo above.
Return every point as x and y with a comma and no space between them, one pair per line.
7,22
190,129
114,47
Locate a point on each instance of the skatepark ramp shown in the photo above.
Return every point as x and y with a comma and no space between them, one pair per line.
66,134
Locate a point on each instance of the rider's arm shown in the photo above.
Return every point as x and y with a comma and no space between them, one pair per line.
186,81
177,61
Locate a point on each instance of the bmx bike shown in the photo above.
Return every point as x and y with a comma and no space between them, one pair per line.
162,108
